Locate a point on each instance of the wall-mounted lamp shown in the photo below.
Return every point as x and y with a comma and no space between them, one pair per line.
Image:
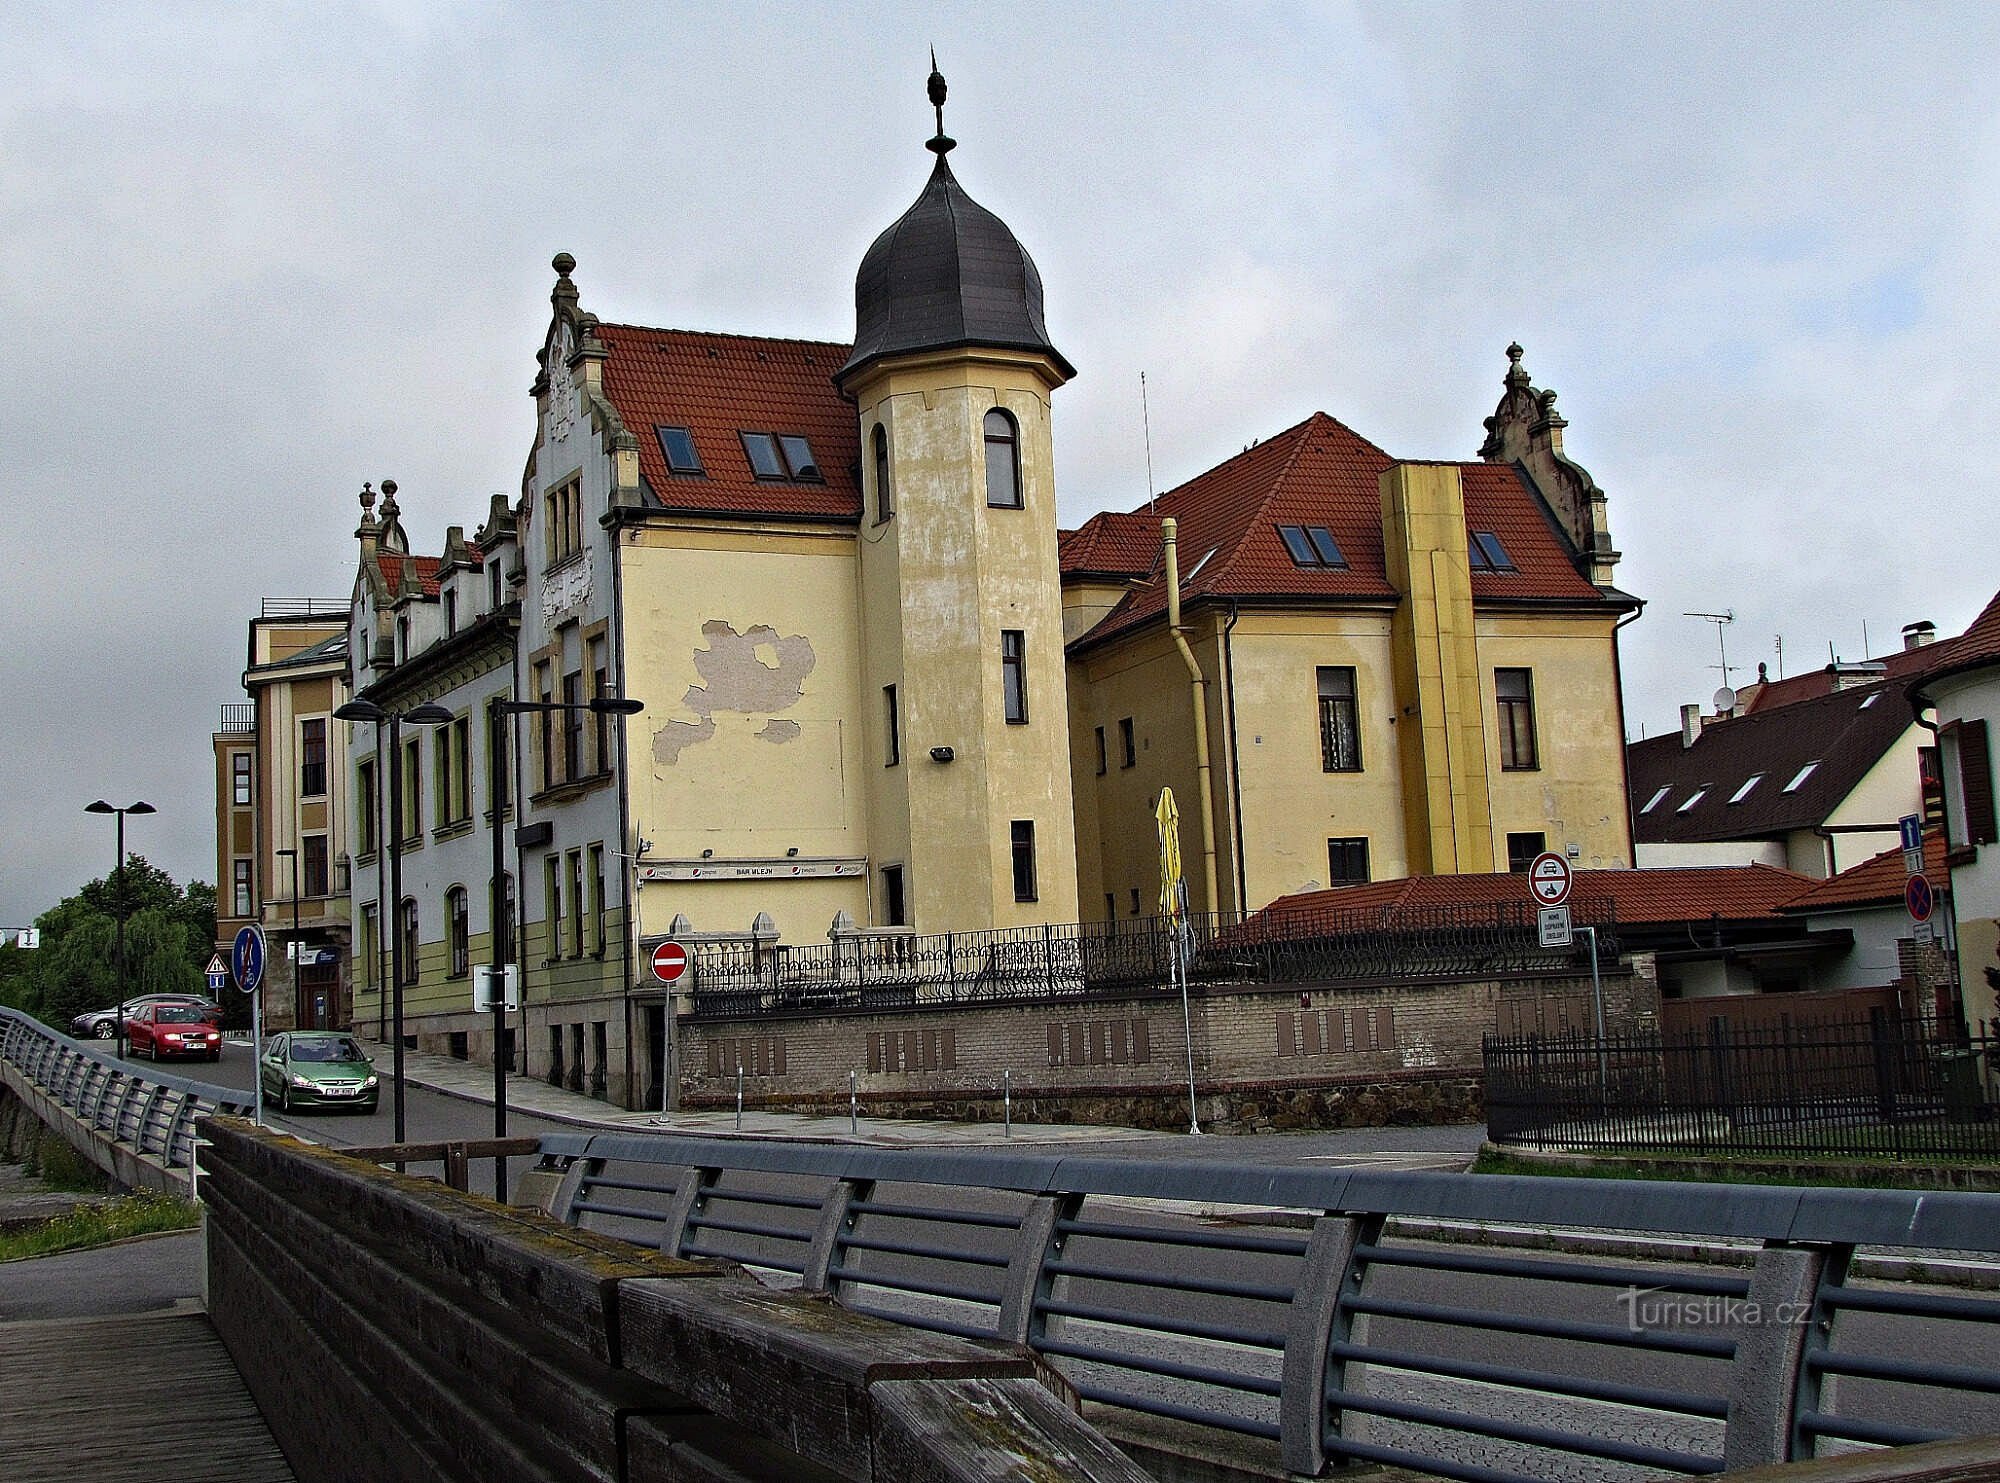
645,845
942,754
792,853
708,854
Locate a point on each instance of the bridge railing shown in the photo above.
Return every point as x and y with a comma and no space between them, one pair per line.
135,1122
1320,1318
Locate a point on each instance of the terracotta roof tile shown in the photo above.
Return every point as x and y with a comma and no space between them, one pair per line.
1111,543
719,385
1877,881
1843,734
1634,897
1979,642
1322,472
391,564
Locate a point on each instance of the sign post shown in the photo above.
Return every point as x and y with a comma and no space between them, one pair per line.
248,955
1921,901
1911,828
1550,880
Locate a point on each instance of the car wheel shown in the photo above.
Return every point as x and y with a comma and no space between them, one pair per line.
105,1029
284,1099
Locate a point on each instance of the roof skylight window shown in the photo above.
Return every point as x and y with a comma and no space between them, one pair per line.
783,456
1484,553
1871,700
1195,570
1655,801
1801,775
1312,546
677,443
1748,783
1693,798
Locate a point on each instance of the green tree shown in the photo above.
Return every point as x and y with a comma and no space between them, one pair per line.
169,933
17,976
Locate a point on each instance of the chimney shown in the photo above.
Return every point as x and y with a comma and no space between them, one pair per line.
1690,725
1916,635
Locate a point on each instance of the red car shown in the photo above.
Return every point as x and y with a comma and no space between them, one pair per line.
168,1029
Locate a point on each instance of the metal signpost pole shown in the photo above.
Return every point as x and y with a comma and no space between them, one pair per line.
384,918
1597,1006
396,916
118,912
496,744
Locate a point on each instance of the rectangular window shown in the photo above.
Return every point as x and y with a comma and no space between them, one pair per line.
1514,693
1484,553
411,940
1135,901
458,931
241,886
600,689
895,734
1347,862
1014,675
1975,782
1799,778
1110,908
364,808
1102,766
597,899
576,903
762,451
239,778
493,579
451,610
1522,849
572,724
441,775
677,443
461,768
1657,799
313,863
365,971
799,460
1126,746
312,758
1748,784
895,909
552,902
1339,721
1024,859
1312,546
546,720
413,775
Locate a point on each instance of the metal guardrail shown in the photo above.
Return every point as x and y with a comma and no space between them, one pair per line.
141,1109
1501,1367
867,972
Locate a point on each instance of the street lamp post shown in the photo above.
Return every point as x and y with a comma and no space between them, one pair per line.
118,914
428,714
298,998
496,745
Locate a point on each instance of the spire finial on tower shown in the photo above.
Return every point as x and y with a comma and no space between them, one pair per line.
940,144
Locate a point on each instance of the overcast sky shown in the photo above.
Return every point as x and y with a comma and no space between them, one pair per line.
252,256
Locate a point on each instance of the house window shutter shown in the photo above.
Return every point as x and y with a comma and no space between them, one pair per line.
1975,780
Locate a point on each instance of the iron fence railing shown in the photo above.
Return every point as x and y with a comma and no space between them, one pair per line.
1341,1329
238,716
145,1110
1881,1087
867,972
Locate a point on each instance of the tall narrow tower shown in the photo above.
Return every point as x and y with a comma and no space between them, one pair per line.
951,375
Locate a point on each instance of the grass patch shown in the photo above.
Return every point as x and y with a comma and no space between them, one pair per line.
1841,1174
94,1225
61,1167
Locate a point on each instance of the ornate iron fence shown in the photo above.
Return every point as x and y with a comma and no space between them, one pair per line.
1880,1087
868,972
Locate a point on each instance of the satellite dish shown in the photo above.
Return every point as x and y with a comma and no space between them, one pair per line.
1724,700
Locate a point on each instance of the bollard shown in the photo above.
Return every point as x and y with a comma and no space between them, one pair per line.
853,1105
1007,1101
739,1096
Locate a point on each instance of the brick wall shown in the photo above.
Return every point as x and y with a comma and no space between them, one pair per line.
1112,1059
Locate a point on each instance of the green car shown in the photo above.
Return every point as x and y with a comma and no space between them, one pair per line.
318,1068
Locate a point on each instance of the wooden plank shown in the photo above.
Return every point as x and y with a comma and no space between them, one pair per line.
151,1399
986,1431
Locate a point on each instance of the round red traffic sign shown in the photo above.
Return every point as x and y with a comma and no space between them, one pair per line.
1549,879
670,961
1918,896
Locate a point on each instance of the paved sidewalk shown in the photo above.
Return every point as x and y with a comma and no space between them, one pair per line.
474,1083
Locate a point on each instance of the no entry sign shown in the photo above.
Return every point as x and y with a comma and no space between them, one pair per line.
670,961
1549,879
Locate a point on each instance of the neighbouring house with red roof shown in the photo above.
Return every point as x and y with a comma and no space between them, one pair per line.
884,695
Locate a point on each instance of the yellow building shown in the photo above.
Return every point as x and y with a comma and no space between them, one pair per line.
1392,668
280,812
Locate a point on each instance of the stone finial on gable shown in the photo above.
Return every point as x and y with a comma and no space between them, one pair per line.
368,533
457,555
1526,430
391,535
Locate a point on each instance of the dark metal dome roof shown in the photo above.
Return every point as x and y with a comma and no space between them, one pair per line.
948,273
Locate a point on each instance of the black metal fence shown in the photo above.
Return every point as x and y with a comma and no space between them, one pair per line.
867,972
1880,1087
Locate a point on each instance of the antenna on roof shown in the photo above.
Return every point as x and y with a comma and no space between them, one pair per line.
1779,644
1721,621
1866,652
1146,420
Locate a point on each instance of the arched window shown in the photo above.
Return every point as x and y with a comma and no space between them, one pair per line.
1003,461
506,924
885,501
407,929
458,931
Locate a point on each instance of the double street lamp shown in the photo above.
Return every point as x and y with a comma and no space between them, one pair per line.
497,709
389,918
118,899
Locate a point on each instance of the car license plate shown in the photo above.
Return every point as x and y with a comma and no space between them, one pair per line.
338,1091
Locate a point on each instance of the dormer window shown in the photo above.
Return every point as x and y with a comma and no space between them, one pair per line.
450,610
1312,547
1003,461
782,456
1484,553
677,444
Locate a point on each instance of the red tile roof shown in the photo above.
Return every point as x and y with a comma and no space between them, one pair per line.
1979,643
1636,897
1319,472
391,564
1111,543
719,385
1876,882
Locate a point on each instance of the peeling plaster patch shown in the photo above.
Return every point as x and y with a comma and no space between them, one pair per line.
752,673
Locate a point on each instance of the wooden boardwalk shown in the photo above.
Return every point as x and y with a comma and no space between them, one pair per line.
151,1398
